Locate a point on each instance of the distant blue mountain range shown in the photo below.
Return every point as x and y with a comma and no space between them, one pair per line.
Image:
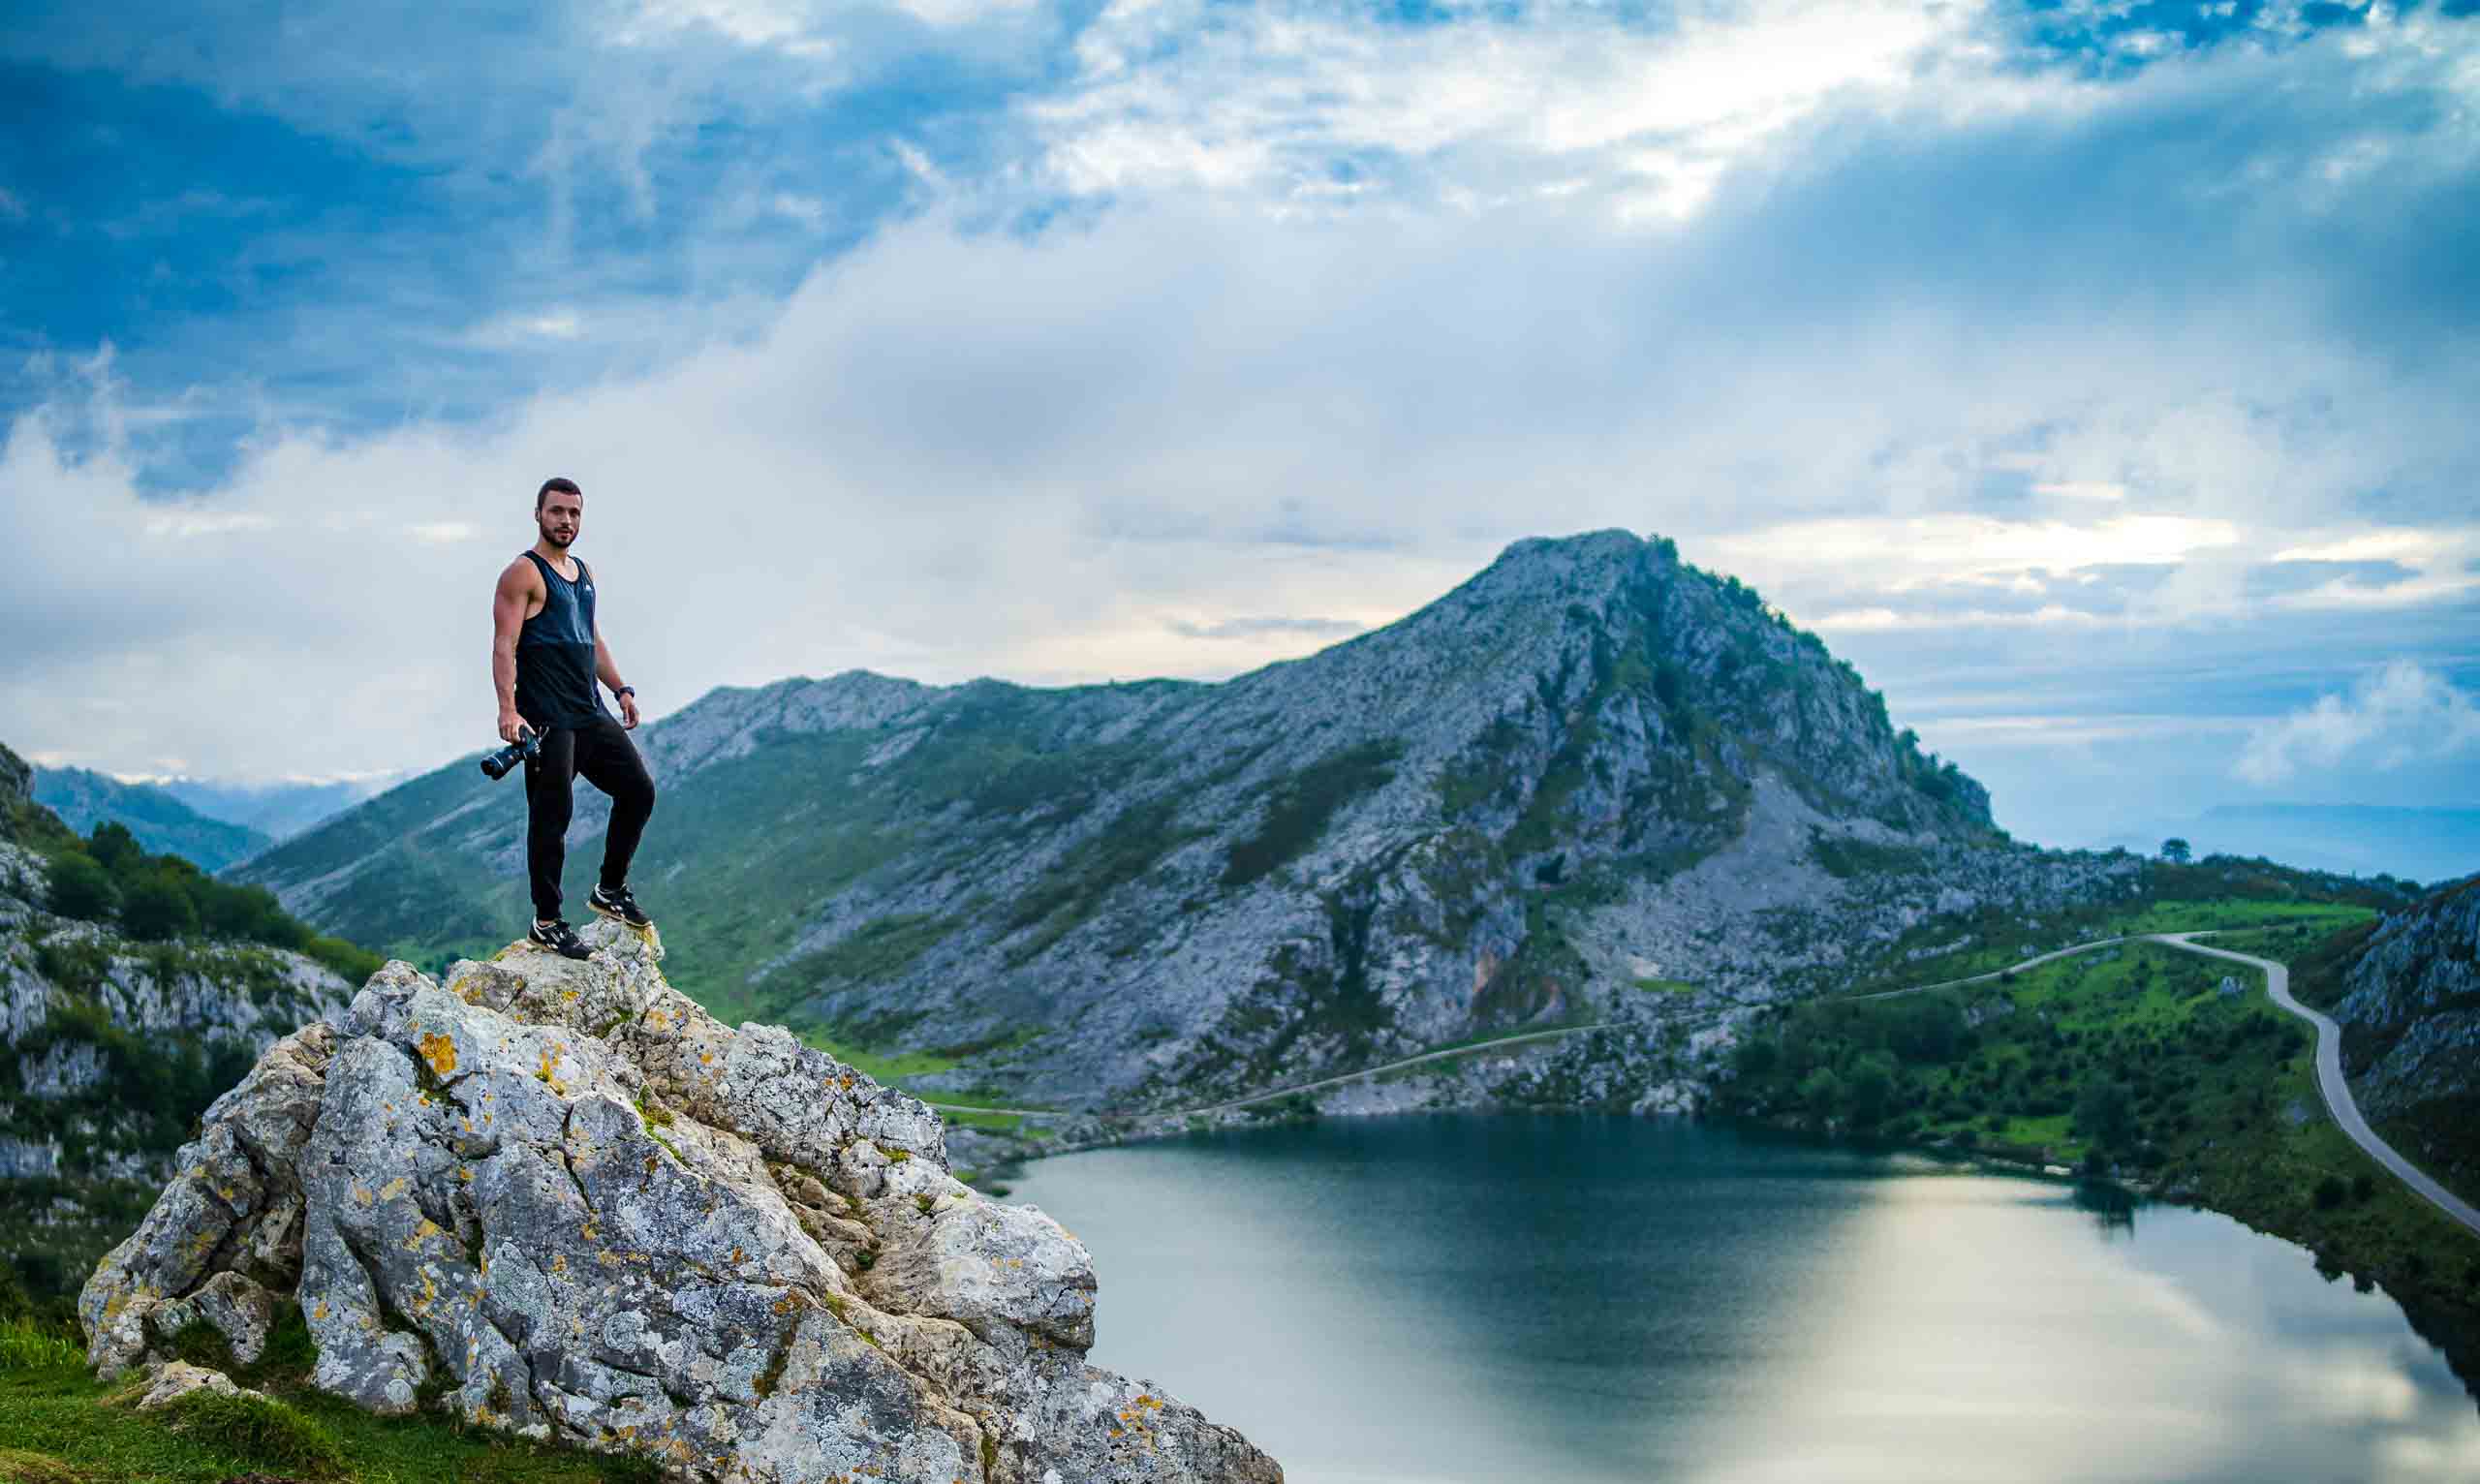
209,823
2418,843
281,810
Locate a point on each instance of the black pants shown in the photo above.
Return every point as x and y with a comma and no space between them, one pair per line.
603,752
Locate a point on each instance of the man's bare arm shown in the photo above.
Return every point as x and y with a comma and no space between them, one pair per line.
608,672
508,603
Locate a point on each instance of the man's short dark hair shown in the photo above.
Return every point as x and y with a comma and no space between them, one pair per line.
555,482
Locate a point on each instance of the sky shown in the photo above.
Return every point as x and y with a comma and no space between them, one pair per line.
2097,376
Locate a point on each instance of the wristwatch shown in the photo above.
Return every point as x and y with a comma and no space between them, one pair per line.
626,690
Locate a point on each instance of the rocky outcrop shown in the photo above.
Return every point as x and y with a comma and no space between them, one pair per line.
2411,1007
17,791
561,1199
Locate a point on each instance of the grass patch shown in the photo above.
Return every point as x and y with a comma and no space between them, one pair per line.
2002,937
1667,986
889,1067
996,1123
1845,858
876,950
20,1466
1064,897
1305,803
27,1346
258,1430
56,1422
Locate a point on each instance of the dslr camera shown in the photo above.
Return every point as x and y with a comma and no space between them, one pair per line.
528,745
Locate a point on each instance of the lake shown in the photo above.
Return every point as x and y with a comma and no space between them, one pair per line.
1459,1298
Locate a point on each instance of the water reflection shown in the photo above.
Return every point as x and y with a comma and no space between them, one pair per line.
1589,1300
2113,1206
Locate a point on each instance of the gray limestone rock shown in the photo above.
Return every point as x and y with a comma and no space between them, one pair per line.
568,1202
2411,1007
239,1310
176,1379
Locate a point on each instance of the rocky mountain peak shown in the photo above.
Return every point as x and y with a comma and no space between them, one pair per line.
566,1202
1448,826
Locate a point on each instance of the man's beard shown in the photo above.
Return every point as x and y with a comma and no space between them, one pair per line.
555,538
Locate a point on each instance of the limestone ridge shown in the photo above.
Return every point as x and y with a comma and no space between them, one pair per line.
565,1201
1130,894
2410,1012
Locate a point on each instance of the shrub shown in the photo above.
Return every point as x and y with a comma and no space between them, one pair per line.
241,911
2105,1113
158,908
2330,1193
1872,1088
80,888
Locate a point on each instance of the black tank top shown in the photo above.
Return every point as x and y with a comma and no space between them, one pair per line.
556,653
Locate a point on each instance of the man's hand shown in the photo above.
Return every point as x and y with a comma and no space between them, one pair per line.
511,723
629,712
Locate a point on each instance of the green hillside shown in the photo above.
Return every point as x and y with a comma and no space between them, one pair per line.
2142,1063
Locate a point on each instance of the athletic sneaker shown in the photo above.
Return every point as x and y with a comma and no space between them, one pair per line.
558,937
619,906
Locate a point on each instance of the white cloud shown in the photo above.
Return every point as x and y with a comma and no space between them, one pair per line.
2398,715
1055,452
1055,458
1272,99
767,23
960,13
808,210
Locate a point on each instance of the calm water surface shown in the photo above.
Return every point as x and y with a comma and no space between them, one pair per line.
1464,1298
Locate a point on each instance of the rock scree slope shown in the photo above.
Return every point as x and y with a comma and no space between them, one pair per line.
560,1198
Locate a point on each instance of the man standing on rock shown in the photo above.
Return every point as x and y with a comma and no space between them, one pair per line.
547,654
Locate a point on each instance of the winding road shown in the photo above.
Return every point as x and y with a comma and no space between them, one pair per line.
1225,1106
2330,1082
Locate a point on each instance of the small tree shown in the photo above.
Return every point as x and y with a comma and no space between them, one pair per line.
2176,850
158,908
80,888
116,847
